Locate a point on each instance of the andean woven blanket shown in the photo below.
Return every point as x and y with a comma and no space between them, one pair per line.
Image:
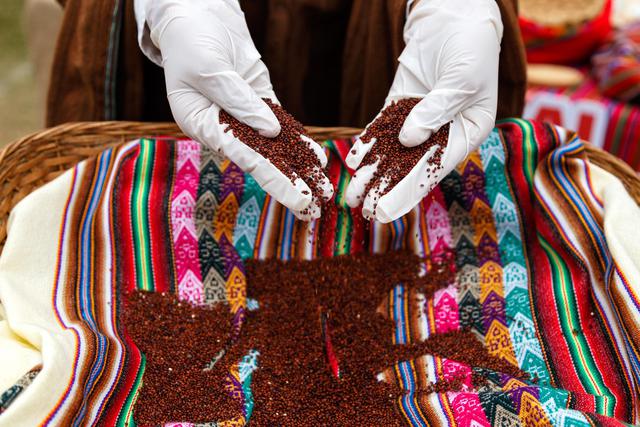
546,248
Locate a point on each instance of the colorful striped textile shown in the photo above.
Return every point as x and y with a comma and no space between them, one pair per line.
545,259
611,125
616,65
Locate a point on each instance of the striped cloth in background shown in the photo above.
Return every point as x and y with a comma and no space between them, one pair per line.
616,65
609,124
546,257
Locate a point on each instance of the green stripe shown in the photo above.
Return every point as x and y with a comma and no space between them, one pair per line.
126,414
140,215
568,315
344,220
529,149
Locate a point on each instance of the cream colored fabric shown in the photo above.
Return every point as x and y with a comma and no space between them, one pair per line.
31,333
622,231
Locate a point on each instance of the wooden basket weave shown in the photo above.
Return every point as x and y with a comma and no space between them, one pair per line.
36,159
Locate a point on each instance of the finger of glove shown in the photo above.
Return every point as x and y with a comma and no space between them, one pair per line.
478,121
358,151
234,95
322,181
313,211
425,176
323,184
359,182
431,113
407,193
258,78
317,149
370,204
197,117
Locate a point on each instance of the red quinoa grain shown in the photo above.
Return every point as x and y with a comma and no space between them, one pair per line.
321,341
396,160
287,151
294,376
179,341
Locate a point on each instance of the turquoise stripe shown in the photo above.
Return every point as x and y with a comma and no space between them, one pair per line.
515,273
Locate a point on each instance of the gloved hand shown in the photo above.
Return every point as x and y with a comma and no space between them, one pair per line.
451,61
211,63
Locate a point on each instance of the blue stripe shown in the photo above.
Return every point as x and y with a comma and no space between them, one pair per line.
398,226
398,313
85,267
410,410
595,228
556,159
406,376
285,245
408,381
557,170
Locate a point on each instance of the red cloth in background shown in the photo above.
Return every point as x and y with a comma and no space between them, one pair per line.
564,44
607,123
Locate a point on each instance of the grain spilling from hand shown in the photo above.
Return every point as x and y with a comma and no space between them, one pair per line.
396,160
288,151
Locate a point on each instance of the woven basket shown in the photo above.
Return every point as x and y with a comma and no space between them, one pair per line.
36,159
560,13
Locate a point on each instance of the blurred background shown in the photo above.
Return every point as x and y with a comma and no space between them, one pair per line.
584,67
28,30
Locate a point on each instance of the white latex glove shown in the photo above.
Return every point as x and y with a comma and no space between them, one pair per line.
211,63
451,60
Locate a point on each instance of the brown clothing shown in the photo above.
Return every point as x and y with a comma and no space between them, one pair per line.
331,62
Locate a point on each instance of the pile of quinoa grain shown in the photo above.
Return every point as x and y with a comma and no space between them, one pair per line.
396,160
287,151
295,384
179,340
441,271
321,338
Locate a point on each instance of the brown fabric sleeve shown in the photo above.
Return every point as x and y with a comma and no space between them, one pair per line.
99,72
141,93
374,43
130,78
76,91
513,64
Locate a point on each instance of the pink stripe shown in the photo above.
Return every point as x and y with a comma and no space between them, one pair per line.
185,240
445,309
467,409
452,370
445,301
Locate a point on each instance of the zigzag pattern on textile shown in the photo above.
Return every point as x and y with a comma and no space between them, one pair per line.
518,220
